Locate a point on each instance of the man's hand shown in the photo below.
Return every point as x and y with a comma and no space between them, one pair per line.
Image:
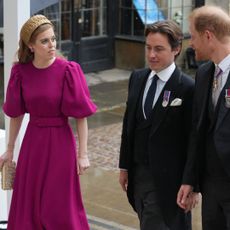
123,179
183,196
192,201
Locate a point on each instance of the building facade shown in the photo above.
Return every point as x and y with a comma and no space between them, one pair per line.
102,34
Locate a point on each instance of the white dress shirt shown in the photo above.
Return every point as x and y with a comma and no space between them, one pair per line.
224,65
164,76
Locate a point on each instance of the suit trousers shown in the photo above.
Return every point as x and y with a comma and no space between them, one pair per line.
216,204
147,204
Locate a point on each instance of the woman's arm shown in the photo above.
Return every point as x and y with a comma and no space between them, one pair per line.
15,125
82,132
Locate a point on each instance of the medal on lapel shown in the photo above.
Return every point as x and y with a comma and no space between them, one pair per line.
215,84
227,98
166,98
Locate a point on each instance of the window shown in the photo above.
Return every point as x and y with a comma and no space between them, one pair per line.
60,15
66,20
52,13
136,14
93,18
179,10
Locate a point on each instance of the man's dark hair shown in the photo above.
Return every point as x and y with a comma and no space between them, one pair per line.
168,28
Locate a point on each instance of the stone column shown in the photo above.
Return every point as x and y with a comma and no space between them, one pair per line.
15,13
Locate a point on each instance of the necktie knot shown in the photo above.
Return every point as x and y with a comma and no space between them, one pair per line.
154,79
148,105
218,72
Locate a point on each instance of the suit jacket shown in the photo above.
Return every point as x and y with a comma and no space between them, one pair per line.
194,171
168,138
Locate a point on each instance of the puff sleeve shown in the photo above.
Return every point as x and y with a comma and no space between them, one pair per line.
14,105
76,101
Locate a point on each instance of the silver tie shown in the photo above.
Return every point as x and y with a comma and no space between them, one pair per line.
216,87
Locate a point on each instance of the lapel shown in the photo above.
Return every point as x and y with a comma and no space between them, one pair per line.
159,111
138,83
206,78
223,110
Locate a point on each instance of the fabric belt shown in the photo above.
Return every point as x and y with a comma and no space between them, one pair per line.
48,121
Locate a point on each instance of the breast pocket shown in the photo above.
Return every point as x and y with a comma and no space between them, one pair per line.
174,115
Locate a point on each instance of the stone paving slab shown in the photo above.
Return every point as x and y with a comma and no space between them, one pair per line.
111,75
101,224
104,146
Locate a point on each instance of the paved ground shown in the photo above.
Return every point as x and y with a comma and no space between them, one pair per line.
104,146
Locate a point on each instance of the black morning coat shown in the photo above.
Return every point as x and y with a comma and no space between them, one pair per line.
168,138
194,171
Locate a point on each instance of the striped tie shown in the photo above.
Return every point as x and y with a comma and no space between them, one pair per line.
216,87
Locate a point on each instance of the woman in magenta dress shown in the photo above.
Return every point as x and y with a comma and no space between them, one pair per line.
46,191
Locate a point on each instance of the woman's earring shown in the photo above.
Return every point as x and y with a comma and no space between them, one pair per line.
31,50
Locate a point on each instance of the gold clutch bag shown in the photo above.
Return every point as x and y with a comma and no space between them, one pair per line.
8,174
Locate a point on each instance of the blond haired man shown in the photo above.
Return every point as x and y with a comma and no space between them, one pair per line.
209,153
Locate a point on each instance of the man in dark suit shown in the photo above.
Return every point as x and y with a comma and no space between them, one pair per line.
208,163
156,131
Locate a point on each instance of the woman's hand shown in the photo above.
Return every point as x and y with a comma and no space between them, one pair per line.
7,156
82,164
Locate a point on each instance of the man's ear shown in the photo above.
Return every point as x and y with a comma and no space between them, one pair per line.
208,34
177,50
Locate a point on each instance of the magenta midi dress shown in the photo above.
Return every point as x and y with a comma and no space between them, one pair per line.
46,194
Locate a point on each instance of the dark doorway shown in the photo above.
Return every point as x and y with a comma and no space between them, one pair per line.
92,40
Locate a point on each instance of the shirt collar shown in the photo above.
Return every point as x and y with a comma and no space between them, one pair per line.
225,63
164,74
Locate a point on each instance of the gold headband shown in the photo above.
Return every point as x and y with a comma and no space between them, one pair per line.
31,25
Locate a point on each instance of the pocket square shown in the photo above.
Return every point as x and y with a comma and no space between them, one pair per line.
176,102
